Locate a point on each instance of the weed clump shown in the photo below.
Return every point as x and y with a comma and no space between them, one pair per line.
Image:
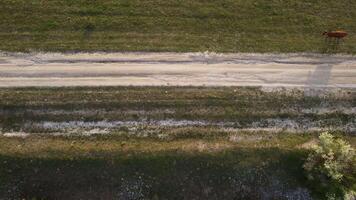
332,167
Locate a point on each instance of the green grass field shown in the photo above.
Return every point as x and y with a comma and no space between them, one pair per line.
179,26
109,167
149,161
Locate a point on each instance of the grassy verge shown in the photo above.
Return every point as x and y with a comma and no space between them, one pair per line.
93,168
177,143
169,25
96,167
234,107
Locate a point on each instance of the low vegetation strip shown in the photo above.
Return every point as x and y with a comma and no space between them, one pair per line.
169,25
165,142
137,109
252,166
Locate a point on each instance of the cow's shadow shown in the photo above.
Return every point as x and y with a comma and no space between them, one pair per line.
332,45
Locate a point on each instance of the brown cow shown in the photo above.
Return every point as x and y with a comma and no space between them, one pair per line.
335,34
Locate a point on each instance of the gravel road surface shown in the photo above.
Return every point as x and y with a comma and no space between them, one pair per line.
176,69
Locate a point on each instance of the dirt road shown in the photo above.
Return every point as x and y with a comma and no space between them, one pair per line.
196,69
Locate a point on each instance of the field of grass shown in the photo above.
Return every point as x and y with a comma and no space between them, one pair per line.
179,26
109,167
68,146
113,167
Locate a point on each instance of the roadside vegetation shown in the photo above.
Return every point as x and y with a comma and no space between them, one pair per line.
332,166
179,26
37,110
115,167
166,142
96,167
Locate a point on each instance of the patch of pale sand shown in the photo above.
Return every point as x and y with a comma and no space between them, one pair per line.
309,144
16,134
246,138
202,146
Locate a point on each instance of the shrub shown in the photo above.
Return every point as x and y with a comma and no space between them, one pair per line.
331,166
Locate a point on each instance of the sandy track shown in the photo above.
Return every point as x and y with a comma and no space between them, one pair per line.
196,69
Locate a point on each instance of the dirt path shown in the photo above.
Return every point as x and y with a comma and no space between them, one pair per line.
196,69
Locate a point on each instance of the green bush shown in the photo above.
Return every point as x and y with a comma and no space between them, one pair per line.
332,167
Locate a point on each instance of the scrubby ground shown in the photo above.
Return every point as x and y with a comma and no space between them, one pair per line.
142,109
170,25
113,167
165,142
